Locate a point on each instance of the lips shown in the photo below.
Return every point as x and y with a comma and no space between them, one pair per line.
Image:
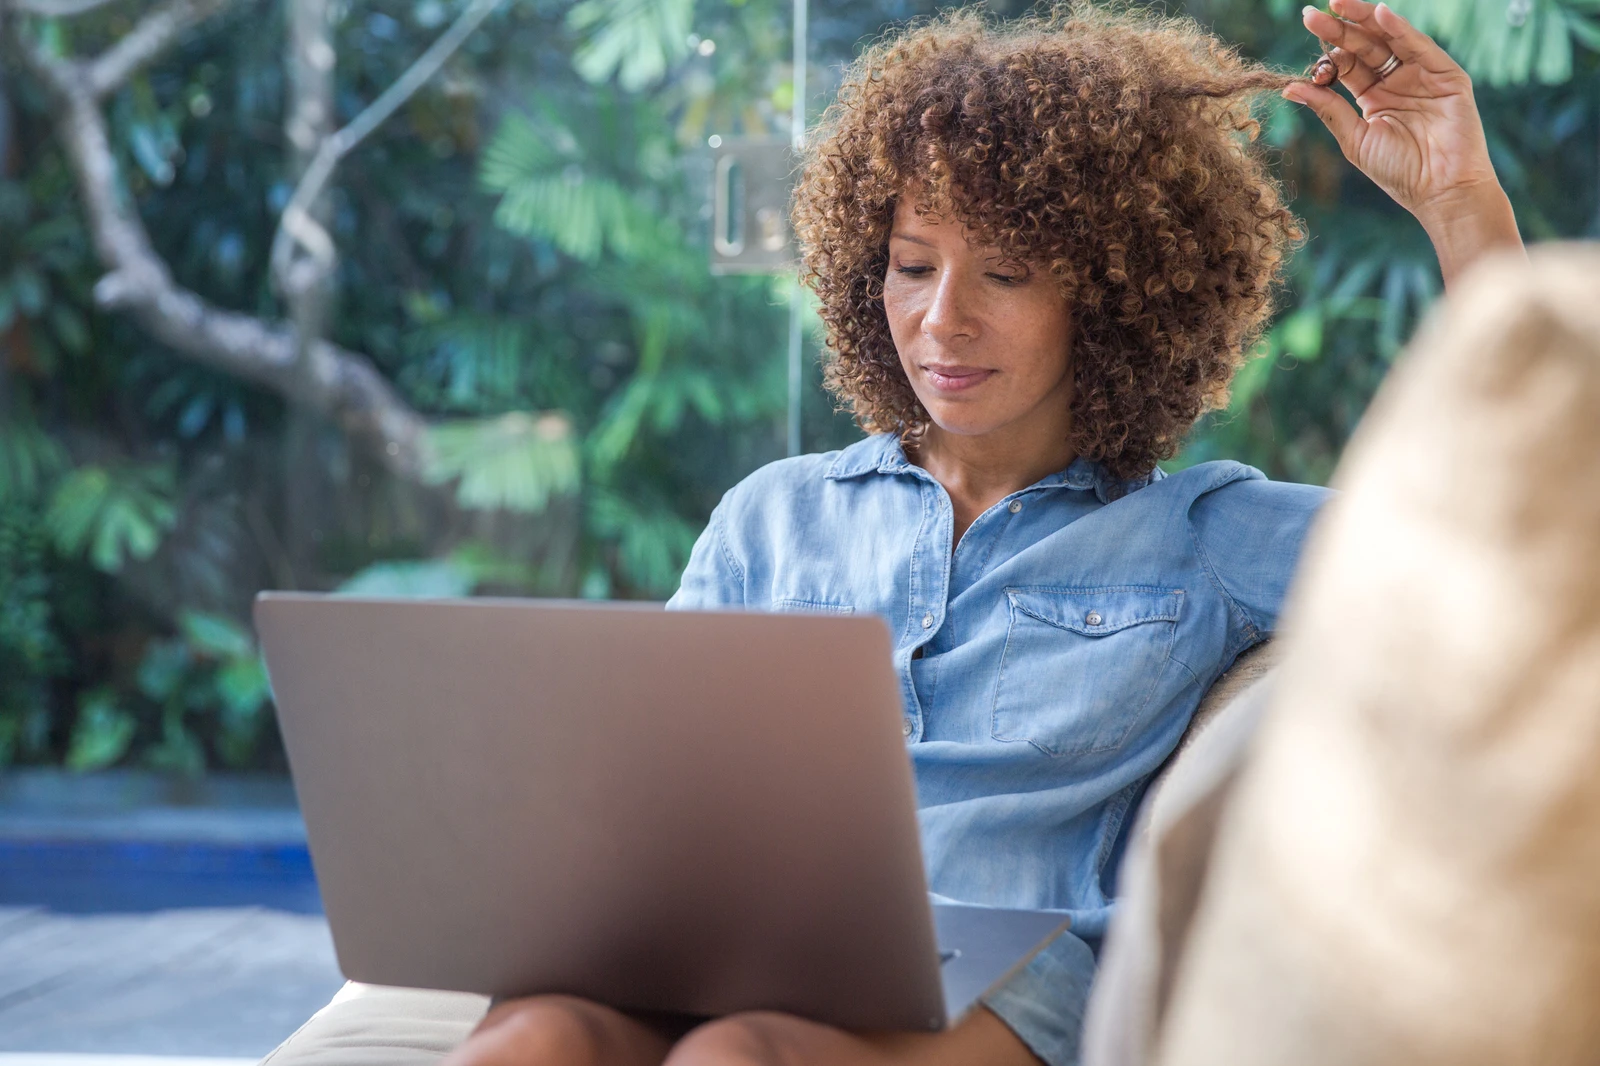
955,378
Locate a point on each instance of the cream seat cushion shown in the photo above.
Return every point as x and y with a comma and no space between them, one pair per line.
373,1025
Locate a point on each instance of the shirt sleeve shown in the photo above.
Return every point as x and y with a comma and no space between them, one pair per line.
1249,534
713,577
1044,1002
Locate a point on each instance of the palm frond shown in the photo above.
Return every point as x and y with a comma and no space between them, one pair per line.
30,459
112,514
1511,43
581,213
637,41
515,462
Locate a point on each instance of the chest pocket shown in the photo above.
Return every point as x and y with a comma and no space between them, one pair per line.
1080,664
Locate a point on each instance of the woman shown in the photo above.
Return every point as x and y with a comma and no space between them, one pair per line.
1042,250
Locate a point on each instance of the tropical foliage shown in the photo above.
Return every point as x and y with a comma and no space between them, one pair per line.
523,255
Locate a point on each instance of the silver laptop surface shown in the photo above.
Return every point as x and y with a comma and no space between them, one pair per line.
700,812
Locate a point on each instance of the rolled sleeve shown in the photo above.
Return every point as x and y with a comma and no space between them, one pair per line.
1044,1002
1250,534
713,577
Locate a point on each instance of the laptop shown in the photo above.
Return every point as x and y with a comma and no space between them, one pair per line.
697,812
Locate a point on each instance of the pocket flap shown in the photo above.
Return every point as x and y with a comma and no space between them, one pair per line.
812,607
1097,611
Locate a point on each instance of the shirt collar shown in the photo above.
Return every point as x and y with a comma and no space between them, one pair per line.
878,454
881,453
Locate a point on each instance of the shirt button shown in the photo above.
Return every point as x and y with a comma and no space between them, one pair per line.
907,728
927,621
1093,618
1016,505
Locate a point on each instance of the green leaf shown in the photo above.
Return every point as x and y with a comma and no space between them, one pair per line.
612,439
1554,65
485,564
515,462
653,542
242,685
701,390
164,668
29,458
421,580
239,726
70,328
1300,334
216,636
113,515
1506,45
637,41
522,148
1584,31
179,751
579,214
29,291
102,732
479,360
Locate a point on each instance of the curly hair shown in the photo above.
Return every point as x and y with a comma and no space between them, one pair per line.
1113,150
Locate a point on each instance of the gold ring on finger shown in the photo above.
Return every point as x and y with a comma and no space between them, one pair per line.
1389,67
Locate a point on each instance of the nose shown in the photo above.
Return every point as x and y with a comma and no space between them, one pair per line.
949,316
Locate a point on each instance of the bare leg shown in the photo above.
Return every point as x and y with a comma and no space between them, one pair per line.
768,1039
562,1031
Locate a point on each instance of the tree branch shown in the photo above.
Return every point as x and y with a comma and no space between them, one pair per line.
298,227
342,385
308,122
150,37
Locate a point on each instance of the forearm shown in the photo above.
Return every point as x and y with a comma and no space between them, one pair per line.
1469,225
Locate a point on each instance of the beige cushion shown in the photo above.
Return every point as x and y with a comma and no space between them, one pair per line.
1165,867
1406,872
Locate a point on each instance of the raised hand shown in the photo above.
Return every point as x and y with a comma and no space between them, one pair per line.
1418,134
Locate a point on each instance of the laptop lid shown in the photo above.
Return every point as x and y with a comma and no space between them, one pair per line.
690,811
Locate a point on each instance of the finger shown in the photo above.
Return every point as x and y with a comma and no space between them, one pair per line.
1410,43
1354,74
1359,11
1348,128
1340,34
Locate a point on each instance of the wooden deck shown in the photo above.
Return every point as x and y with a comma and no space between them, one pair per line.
218,983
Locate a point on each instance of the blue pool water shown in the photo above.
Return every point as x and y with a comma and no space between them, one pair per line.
132,841
92,876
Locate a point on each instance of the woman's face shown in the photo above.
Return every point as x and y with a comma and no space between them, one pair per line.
986,343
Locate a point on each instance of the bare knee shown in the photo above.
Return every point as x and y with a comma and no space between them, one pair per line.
755,1038
540,1030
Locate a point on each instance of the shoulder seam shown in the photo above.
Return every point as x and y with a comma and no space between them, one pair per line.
1252,633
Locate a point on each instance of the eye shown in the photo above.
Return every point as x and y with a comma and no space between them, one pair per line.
1009,279
913,272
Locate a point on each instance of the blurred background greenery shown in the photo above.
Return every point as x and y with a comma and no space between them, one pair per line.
522,257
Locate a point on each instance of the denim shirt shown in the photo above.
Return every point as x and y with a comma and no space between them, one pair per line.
1048,665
